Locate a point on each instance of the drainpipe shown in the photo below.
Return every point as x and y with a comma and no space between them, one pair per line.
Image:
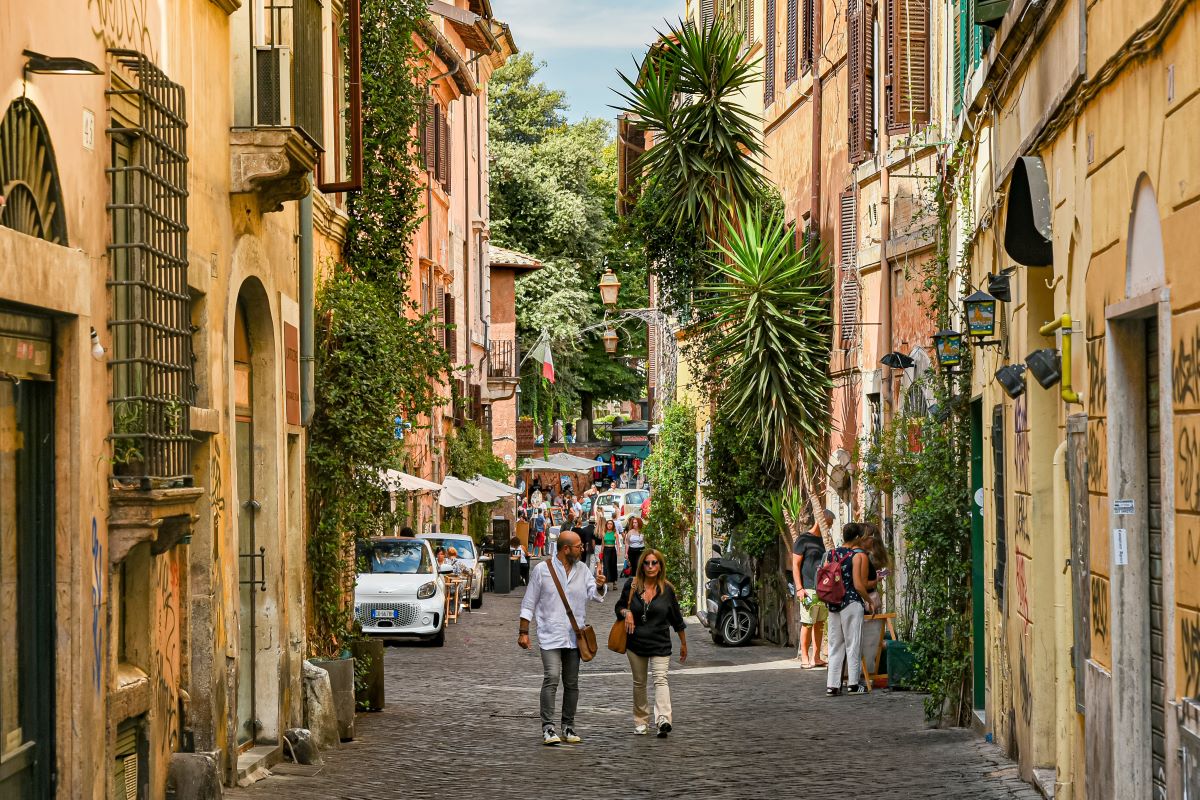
815,194
1064,699
307,386
885,270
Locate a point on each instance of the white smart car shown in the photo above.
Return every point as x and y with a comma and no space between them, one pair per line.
399,593
468,554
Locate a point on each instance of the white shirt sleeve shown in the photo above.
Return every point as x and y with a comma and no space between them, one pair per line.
529,601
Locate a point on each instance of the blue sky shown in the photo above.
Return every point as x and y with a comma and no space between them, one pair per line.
585,42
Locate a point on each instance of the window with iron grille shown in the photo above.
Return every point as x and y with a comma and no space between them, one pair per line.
808,53
769,59
792,34
150,323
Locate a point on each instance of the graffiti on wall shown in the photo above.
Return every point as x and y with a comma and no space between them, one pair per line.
1187,453
1189,654
1022,587
97,603
123,24
1021,444
1097,455
1100,617
1185,365
167,652
1097,394
1021,522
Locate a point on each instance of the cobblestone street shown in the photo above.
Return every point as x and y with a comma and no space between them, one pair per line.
748,723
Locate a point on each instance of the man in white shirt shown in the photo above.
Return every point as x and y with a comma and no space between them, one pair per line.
556,637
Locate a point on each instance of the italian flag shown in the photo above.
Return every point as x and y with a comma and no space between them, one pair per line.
542,354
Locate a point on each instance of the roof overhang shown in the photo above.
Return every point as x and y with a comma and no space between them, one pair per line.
501,258
1028,237
444,50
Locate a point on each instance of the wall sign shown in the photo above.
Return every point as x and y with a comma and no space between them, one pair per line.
1122,508
1120,547
291,373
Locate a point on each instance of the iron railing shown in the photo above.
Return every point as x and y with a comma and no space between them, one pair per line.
150,322
503,361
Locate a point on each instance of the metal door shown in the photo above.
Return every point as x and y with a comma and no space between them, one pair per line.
1158,689
27,601
250,555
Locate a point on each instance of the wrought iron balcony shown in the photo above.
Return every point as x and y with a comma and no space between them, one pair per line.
503,361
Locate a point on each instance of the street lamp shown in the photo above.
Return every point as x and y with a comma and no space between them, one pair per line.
609,286
609,337
58,65
1046,366
981,315
947,345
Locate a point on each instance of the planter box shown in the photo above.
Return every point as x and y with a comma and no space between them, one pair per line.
370,652
341,680
899,664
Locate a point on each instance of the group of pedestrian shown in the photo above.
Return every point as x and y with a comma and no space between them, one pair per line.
860,561
559,591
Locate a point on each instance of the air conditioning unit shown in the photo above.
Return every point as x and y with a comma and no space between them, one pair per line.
273,86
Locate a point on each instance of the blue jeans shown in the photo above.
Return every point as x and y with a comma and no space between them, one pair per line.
560,664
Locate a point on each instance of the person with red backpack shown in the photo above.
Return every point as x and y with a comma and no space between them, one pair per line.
842,584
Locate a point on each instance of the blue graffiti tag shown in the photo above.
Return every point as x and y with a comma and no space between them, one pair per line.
97,600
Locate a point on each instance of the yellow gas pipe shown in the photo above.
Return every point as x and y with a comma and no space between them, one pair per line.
1068,394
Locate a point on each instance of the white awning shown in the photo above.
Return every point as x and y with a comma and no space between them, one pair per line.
495,485
395,480
478,492
573,462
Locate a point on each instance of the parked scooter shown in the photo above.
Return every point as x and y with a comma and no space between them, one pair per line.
730,610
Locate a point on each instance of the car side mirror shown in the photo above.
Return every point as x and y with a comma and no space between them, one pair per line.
717,549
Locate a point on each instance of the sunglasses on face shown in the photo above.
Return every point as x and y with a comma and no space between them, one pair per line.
650,563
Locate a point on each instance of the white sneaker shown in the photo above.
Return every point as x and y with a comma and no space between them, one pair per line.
570,736
641,730
550,738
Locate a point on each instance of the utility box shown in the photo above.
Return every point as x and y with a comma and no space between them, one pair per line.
501,571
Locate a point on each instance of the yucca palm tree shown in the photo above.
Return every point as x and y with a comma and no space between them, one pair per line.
704,162
766,313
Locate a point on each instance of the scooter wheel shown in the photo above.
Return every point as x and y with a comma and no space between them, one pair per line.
737,630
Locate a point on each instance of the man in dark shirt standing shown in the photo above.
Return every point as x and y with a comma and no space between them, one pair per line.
807,553
587,536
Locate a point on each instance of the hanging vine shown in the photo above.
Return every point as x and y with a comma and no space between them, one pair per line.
376,356
926,458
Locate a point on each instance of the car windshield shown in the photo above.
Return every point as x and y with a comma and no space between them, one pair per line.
608,500
464,547
403,558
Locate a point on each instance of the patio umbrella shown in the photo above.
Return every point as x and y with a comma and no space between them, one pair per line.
572,462
480,480
478,492
454,495
541,465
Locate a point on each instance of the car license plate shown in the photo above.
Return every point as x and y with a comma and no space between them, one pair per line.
390,613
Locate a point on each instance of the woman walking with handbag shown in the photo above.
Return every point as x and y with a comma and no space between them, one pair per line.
846,613
648,610
635,542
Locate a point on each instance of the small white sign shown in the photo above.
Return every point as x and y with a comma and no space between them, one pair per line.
1120,547
89,129
1122,508
979,497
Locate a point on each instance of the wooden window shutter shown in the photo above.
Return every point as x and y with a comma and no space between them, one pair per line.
707,13
451,340
769,59
748,10
908,64
848,244
808,53
860,57
791,71
444,150
429,135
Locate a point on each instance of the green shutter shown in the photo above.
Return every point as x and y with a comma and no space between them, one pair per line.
990,12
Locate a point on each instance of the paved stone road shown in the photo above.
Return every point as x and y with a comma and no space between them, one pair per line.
462,720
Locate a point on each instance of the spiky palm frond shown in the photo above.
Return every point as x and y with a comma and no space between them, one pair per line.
706,147
767,310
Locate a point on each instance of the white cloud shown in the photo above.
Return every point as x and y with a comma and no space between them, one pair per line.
586,24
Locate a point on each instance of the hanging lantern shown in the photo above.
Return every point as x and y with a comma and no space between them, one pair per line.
947,345
609,286
981,315
609,337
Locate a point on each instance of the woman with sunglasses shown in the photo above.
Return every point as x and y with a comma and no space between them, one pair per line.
650,609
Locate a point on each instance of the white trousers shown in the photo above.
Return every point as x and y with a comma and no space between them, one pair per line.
845,645
657,668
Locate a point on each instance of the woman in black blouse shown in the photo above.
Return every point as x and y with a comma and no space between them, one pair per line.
650,609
